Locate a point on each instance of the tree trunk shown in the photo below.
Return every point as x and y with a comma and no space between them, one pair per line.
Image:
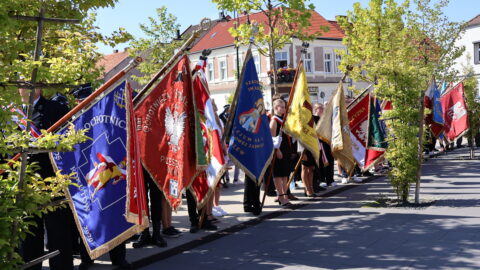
274,87
420,148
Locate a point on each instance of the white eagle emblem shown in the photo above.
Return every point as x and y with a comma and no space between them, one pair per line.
174,125
457,111
362,131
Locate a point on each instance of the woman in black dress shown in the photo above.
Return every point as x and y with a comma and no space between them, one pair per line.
281,167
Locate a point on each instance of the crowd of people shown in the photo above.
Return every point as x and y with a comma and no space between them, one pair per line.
316,175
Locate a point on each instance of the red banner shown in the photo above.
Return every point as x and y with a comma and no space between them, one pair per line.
358,117
454,112
136,209
165,120
204,185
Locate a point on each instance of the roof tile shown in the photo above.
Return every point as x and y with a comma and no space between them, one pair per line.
109,61
219,36
474,21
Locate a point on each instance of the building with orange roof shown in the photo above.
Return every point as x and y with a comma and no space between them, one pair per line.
114,63
321,60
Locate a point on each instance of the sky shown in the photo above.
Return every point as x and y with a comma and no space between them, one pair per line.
129,14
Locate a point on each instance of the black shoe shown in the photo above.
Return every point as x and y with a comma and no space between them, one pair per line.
194,228
123,264
158,241
209,226
171,232
142,241
367,173
257,211
247,209
85,265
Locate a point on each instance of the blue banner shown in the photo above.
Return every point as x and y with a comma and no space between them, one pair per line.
250,145
99,197
437,106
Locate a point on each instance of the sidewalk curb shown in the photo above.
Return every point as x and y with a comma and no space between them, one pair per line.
241,226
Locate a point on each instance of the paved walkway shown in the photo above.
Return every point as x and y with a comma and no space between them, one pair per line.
342,231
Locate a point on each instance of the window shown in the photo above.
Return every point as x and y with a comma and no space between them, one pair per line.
328,62
338,59
476,53
210,72
223,70
256,60
307,62
281,60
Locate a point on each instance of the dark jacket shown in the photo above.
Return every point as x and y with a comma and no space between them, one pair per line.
45,114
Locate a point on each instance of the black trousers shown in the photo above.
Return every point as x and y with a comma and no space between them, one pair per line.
268,178
59,227
192,208
326,172
155,198
251,194
317,178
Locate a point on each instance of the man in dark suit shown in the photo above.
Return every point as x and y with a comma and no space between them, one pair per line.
57,223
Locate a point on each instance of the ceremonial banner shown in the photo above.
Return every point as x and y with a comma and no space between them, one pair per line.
100,166
437,123
432,102
136,210
204,185
299,122
251,145
376,137
454,112
334,129
167,132
358,123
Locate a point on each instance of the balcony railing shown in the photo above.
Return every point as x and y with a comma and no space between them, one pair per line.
284,75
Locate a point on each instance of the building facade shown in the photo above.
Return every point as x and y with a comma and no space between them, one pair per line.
471,40
321,61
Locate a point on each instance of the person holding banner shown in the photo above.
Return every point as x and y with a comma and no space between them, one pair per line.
57,224
326,161
281,167
155,195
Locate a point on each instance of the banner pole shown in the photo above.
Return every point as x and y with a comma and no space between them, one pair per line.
205,25
233,107
295,170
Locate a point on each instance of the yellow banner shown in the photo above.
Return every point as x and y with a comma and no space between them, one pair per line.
333,128
299,123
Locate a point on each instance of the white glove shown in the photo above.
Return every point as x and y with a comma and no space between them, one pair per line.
277,141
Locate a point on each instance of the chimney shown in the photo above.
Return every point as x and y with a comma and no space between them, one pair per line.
221,15
115,51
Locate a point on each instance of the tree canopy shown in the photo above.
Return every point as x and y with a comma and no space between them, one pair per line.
285,19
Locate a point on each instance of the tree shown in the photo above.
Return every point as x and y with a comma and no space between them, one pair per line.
284,19
159,45
68,56
400,49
